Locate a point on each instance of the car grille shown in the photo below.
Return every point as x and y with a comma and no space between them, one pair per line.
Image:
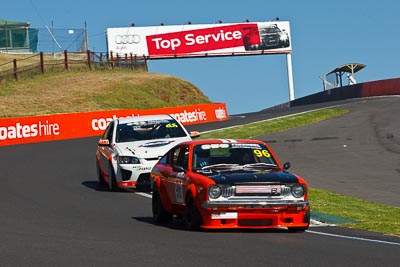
126,174
144,178
257,190
228,191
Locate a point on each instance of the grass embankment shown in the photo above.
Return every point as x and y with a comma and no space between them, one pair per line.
368,215
81,91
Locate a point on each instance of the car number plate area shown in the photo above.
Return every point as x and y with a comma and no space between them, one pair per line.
224,215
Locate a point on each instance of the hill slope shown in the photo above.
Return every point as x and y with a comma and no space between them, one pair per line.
80,91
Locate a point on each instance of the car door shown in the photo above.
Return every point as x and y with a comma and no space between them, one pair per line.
105,151
176,182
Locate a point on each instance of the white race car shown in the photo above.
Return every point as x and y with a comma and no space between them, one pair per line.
130,147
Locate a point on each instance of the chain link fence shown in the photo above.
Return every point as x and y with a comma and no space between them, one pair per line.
26,52
23,39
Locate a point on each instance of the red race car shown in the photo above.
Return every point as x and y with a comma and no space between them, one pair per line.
228,184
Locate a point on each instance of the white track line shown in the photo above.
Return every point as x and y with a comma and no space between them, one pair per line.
143,194
354,238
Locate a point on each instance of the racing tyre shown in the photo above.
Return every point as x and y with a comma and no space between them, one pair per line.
160,215
192,218
100,177
112,183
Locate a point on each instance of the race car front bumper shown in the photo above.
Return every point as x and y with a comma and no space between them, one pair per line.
134,179
255,214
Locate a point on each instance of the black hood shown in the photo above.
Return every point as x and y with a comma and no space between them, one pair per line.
240,177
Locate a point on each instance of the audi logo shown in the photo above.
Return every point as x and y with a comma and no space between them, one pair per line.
127,39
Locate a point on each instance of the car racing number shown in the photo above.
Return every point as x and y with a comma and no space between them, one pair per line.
178,188
171,125
262,153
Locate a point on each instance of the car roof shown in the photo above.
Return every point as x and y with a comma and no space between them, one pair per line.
222,141
144,118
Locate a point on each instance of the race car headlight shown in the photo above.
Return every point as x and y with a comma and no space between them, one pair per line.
128,160
214,191
298,190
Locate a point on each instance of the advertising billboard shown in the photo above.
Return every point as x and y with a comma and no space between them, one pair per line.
191,40
84,124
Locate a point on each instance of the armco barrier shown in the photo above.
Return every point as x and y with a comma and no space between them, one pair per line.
84,124
374,88
382,87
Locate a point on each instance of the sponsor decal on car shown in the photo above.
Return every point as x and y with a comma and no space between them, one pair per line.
156,144
224,215
142,168
238,145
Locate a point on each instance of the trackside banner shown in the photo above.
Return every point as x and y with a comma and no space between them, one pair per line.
84,124
201,39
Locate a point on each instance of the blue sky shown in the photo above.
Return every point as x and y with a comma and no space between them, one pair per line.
324,35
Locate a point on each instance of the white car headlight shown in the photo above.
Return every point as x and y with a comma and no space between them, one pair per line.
214,191
298,190
128,160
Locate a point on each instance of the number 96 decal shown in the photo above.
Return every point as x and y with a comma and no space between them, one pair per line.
262,153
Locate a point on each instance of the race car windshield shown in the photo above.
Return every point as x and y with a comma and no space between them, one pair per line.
149,130
235,154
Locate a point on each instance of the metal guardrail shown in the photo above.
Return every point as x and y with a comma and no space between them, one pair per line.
40,63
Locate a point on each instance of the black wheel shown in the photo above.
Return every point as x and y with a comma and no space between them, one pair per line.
112,183
192,218
160,215
302,229
100,177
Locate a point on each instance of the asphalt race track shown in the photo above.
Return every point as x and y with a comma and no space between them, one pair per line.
53,212
359,152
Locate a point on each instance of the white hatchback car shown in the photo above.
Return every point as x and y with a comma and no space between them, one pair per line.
130,147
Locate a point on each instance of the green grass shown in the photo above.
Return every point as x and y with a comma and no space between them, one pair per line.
275,125
368,215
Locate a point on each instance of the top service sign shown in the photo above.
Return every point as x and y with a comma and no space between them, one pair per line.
201,40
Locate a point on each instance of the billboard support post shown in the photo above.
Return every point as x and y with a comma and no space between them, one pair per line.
290,76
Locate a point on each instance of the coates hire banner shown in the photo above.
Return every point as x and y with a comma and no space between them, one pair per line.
201,40
77,125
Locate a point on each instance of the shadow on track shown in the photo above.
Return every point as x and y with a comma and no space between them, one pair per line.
177,224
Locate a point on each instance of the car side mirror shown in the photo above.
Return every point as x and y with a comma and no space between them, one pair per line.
194,134
104,142
177,168
286,165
